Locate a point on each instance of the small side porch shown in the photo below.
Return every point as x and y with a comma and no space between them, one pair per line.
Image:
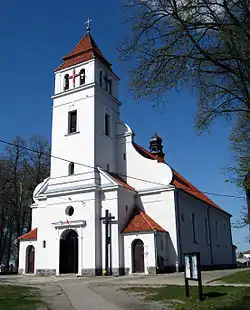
147,246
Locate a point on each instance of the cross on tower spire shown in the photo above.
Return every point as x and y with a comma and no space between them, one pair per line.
88,24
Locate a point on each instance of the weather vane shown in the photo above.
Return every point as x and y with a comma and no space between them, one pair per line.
88,24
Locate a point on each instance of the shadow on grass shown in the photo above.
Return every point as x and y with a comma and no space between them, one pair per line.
213,295
242,303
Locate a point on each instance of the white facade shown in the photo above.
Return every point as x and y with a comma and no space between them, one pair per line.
96,166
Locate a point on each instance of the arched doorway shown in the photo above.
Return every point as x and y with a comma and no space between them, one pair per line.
69,252
30,259
137,256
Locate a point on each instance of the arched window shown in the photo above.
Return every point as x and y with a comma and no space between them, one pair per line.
71,168
82,76
66,81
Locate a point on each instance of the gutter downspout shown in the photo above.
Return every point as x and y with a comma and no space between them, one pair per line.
210,239
231,241
156,253
178,230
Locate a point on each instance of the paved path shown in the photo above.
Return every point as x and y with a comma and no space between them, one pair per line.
78,294
90,297
102,293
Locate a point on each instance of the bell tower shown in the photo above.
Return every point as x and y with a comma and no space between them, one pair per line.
85,111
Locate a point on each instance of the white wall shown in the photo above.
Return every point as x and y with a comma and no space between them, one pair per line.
105,146
222,246
219,250
109,201
163,248
138,167
77,147
22,254
53,210
149,249
160,206
99,66
127,200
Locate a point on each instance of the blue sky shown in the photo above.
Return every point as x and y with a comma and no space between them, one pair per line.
35,35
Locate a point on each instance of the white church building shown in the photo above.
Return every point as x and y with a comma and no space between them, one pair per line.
98,171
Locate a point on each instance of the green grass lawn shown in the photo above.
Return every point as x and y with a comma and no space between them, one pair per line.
219,297
19,297
241,277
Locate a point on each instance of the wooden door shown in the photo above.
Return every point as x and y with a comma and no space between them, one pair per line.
138,256
30,257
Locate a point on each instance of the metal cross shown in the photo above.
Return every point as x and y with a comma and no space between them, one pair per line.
88,24
74,75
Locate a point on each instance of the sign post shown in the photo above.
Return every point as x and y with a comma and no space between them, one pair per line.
193,272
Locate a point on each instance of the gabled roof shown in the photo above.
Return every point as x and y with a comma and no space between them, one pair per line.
119,180
179,181
30,236
140,221
86,49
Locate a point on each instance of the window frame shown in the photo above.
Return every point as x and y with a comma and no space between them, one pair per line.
194,228
71,168
162,244
84,75
207,232
72,129
110,86
106,81
107,124
66,82
217,233
100,78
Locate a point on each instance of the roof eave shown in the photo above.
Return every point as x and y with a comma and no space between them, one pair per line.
210,205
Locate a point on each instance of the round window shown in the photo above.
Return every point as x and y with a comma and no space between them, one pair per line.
69,211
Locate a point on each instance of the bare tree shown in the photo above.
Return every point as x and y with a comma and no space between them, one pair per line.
203,45
21,170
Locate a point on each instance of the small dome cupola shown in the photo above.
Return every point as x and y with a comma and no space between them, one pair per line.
156,147
155,144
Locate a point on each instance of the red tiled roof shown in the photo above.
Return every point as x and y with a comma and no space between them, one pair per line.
142,222
179,181
85,50
143,151
246,252
30,236
121,181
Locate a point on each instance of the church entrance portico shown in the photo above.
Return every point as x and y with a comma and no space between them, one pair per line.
69,246
68,257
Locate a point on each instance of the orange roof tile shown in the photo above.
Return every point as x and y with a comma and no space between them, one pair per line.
30,236
121,181
180,182
85,50
143,151
140,221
